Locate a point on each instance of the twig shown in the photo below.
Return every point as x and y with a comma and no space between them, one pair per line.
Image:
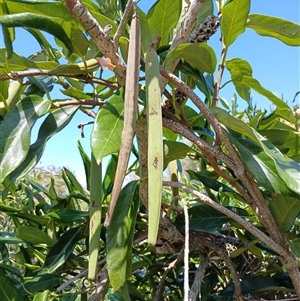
171,266
186,252
78,102
247,225
199,275
21,74
79,275
219,75
122,24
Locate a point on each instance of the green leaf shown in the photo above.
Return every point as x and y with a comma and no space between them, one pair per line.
203,217
68,215
41,220
199,55
287,169
43,296
285,31
174,150
209,182
86,163
8,290
163,17
259,164
56,121
285,210
19,63
77,186
51,25
43,282
255,85
234,17
238,68
34,236
106,135
15,132
295,247
62,249
57,9
120,235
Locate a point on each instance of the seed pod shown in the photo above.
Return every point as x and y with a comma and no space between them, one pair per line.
205,30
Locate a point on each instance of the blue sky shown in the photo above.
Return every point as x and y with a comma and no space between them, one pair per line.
274,64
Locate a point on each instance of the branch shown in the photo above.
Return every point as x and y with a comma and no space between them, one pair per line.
183,87
25,73
183,33
78,102
98,35
247,225
199,275
122,24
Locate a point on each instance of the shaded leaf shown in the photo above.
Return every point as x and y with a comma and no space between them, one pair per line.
8,290
163,17
120,235
174,150
284,209
234,17
15,132
68,215
62,249
43,282
259,164
295,247
203,217
106,135
199,55
34,236
285,31
287,169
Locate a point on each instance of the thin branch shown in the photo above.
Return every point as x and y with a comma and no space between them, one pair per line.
219,75
199,275
78,102
25,73
247,225
122,24
171,266
183,87
186,252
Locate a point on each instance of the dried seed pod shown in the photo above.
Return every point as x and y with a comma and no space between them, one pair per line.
179,99
205,30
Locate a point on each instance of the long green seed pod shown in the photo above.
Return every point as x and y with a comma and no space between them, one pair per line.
155,143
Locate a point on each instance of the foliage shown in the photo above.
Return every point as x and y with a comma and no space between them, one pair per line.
234,173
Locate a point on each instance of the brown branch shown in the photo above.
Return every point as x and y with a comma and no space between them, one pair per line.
122,24
78,102
21,74
199,275
219,75
98,35
247,225
171,266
